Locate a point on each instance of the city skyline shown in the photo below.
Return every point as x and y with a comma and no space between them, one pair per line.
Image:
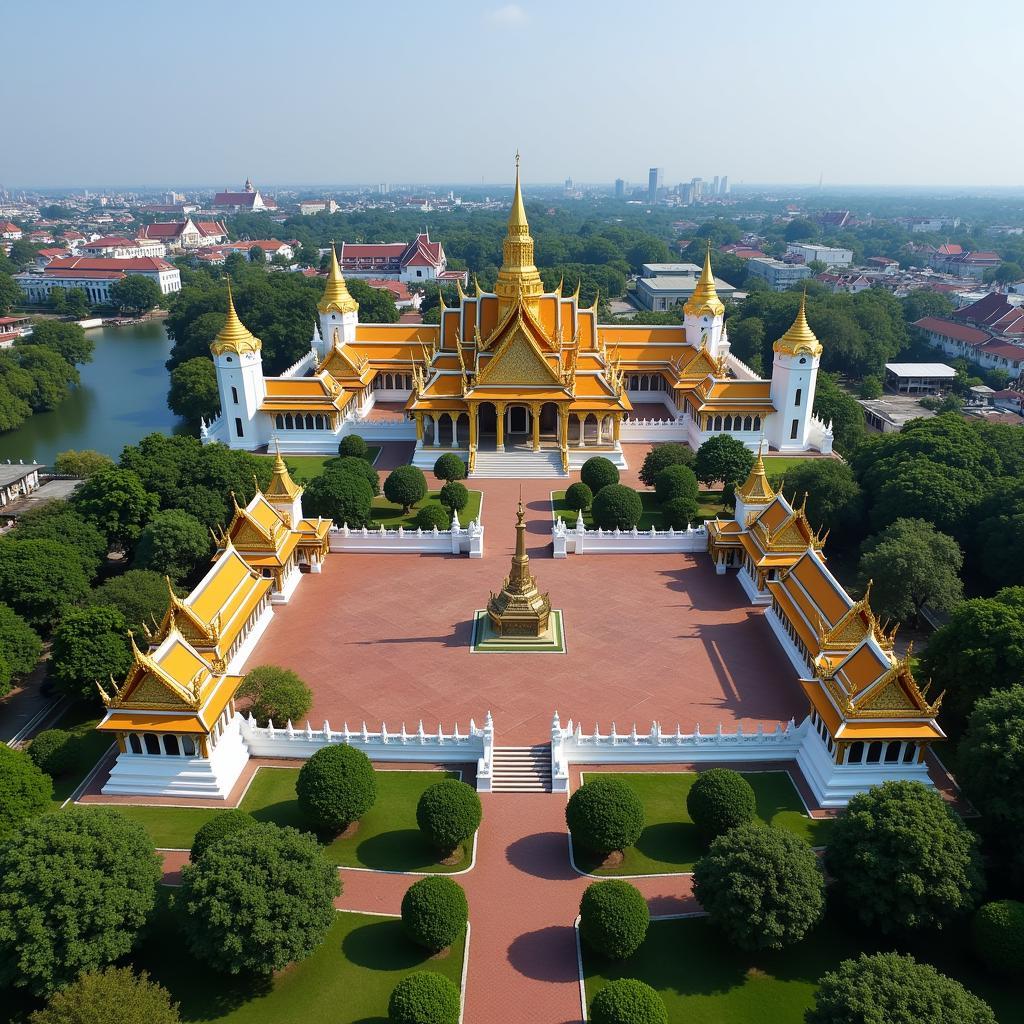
287,108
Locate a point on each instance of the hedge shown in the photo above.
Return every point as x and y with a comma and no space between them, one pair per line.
617,506
448,813
598,472
425,997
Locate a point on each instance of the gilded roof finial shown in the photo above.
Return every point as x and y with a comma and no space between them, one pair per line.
234,336
519,281
704,298
336,297
799,339
756,489
281,483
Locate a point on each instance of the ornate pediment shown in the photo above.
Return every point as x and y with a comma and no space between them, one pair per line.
519,361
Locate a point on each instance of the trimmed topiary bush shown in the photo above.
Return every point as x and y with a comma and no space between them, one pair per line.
761,886
353,445
448,813
678,513
720,799
454,496
424,997
220,825
897,990
352,466
434,912
614,918
53,751
336,787
598,472
997,933
676,482
604,815
628,1001
579,496
277,693
433,515
662,456
450,467
617,506
24,790
405,486
345,497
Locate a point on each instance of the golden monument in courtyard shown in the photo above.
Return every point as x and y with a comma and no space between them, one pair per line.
519,617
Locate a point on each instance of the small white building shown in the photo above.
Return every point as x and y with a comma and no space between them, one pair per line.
831,257
919,378
114,247
95,275
17,480
778,275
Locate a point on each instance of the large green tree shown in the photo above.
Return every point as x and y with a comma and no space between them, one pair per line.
90,646
39,579
59,521
193,394
114,994
173,543
24,791
833,495
19,643
82,462
139,595
834,405
118,503
135,293
67,339
723,458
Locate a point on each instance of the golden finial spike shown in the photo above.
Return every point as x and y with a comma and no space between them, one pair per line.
234,336
704,299
336,297
799,339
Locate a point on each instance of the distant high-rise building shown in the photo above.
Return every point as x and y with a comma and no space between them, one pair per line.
714,185
697,184
723,185
620,188
686,194
382,188
568,184
654,177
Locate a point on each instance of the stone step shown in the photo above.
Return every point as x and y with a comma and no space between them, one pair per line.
517,463
521,769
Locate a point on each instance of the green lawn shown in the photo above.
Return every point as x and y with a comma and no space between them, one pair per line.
709,505
386,514
347,980
670,841
304,467
89,746
388,838
775,464
705,980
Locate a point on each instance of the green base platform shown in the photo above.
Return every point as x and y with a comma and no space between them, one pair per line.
486,641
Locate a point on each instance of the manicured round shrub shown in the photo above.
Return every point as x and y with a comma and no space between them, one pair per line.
902,858
114,995
998,936
277,694
604,815
224,824
405,486
351,465
450,467
628,1001
448,813
678,513
720,799
258,900
24,790
676,482
761,886
353,445
344,497
433,515
617,506
614,918
598,472
579,496
336,787
434,912
894,989
454,496
424,997
53,751
661,457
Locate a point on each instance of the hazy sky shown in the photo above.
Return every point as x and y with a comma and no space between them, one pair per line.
327,91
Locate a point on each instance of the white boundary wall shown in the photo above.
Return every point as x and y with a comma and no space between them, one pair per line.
474,745
578,540
458,540
654,430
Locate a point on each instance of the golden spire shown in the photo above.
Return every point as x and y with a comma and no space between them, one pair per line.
704,299
234,336
281,483
336,298
518,280
519,609
756,490
799,339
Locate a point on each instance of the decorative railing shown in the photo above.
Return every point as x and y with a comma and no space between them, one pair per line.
578,540
456,540
300,366
740,368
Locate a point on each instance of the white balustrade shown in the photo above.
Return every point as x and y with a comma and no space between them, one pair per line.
457,540
578,540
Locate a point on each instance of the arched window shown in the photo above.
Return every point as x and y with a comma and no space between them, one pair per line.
289,425
909,753
874,752
748,422
892,753
856,754
757,422
728,423
309,421
718,423
188,746
152,743
134,744
319,421
279,421
171,745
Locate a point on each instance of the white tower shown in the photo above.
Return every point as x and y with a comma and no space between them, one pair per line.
794,377
704,314
338,310
239,363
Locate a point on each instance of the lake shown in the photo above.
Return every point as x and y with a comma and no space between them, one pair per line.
122,397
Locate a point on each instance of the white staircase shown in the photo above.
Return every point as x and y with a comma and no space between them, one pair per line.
521,769
518,463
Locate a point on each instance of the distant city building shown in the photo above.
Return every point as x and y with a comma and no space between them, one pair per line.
12,328
418,260
697,189
663,285
10,232
249,199
117,248
919,378
778,275
848,283
809,252
186,234
744,252
95,275
310,206
620,188
989,332
954,259
654,183
715,185
833,219
723,185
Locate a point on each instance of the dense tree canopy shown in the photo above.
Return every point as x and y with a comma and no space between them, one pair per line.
138,594
116,501
723,458
90,645
833,496
67,339
113,994
19,643
39,579
173,543
193,394
24,790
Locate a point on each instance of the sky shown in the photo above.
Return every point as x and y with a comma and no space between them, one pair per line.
207,92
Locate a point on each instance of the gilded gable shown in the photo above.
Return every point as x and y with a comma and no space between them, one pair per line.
519,361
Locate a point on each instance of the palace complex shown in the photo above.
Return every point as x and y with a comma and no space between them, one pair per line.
520,381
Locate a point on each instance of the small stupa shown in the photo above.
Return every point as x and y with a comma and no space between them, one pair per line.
519,609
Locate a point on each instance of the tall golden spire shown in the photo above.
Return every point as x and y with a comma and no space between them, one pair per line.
704,299
519,609
336,297
234,336
756,490
281,483
518,278
799,339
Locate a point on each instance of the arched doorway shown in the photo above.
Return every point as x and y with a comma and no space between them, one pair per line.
487,424
517,421
549,420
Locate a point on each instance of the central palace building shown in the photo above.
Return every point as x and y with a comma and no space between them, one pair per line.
520,381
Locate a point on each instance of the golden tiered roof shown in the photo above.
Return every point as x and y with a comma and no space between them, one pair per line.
234,336
705,300
799,339
281,483
518,280
756,489
336,297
